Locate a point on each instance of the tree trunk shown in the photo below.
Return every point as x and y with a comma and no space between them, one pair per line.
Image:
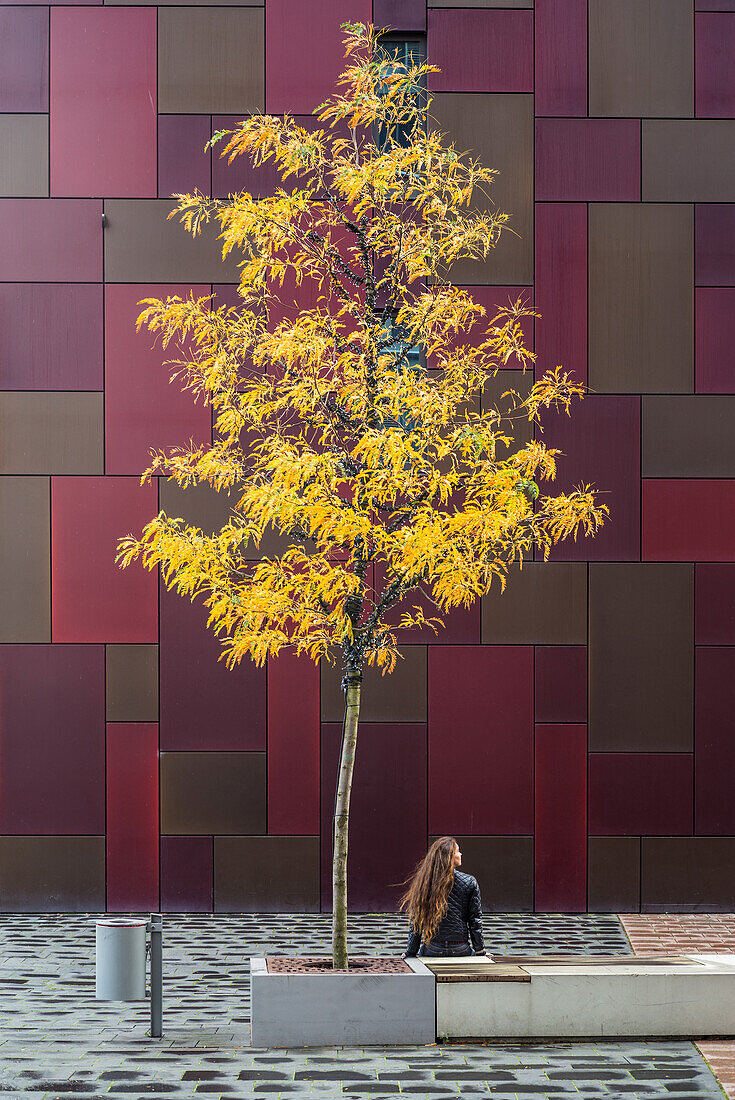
342,822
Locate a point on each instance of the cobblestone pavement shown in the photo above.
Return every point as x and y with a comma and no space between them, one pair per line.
57,1041
653,934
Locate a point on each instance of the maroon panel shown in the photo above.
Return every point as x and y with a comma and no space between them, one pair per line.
714,606
299,79
561,819
143,409
600,443
561,57
293,745
714,244
103,101
132,817
561,287
186,874
400,15
92,599
595,159
183,164
688,520
51,240
490,298
714,5
640,793
714,352
714,79
481,712
481,51
561,683
52,739
23,59
387,812
241,175
461,624
50,336
714,741
204,705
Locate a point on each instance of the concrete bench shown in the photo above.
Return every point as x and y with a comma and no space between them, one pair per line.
577,996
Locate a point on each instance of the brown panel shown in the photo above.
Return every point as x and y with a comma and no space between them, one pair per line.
641,58
688,436
614,874
210,61
641,657
497,129
479,3
544,603
132,683
25,609
492,397
202,506
689,161
398,697
212,792
24,163
688,874
141,246
503,866
266,874
51,433
52,874
641,302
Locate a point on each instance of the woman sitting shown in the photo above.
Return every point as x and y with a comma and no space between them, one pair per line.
443,905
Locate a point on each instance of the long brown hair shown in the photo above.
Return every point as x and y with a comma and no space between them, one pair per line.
428,888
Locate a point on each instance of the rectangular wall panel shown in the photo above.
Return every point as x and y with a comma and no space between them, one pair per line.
641,793
641,658
266,874
503,867
103,101
481,51
23,58
51,336
52,874
51,433
131,679
714,350
51,240
561,288
560,674
561,57
595,160
714,588
293,745
688,436
714,740
25,596
24,165
560,787
685,874
401,15
481,712
689,520
132,817
614,874
543,603
183,164
714,47
242,174
187,874
203,793
714,244
398,697
210,60
688,161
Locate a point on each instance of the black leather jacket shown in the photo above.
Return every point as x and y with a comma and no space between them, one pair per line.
463,915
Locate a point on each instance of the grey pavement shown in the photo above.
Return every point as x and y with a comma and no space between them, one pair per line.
56,1040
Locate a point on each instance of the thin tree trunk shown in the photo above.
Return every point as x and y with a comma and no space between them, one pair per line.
341,824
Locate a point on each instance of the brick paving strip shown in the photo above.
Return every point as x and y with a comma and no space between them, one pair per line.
56,1041
685,933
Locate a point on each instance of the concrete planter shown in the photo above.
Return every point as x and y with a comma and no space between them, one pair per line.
353,1009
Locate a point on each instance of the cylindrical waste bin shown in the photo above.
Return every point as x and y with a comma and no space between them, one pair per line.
120,958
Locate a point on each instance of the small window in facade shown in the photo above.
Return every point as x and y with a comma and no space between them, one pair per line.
405,52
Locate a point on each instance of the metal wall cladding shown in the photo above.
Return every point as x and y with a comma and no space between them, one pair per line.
575,731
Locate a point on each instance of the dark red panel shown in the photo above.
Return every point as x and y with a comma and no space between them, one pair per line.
641,793
714,606
461,624
142,408
714,741
714,244
714,79
561,57
481,51
561,819
51,240
23,59
595,159
204,705
132,817
92,599
241,175
52,739
561,287
293,745
183,165
387,812
600,444
491,298
186,874
103,101
688,520
481,713
50,336
561,683
400,15
714,363
298,79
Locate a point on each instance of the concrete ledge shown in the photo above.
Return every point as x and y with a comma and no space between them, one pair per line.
296,1010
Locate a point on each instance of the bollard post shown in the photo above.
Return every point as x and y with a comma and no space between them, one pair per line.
156,927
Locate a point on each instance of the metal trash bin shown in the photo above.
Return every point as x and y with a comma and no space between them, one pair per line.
120,959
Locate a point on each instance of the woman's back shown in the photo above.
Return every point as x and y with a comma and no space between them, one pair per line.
444,905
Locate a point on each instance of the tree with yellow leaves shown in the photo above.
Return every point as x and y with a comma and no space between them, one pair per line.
350,427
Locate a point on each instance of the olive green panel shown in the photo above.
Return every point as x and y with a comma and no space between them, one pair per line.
24,159
503,866
266,874
131,674
51,433
614,874
687,161
203,793
689,436
688,874
52,874
25,609
210,60
398,697
544,603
